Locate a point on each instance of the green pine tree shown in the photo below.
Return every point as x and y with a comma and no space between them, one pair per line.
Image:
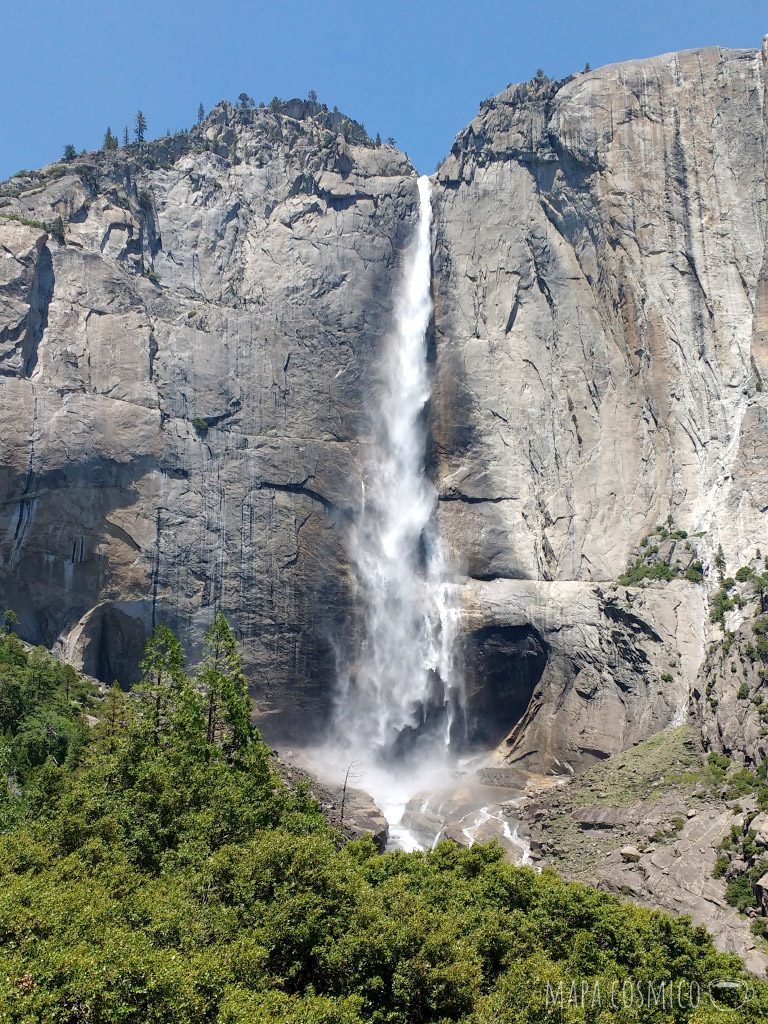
140,126
227,705
162,678
720,562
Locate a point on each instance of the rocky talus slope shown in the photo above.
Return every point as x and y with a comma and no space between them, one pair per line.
190,329
649,824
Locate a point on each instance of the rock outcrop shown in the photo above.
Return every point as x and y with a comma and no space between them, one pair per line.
646,824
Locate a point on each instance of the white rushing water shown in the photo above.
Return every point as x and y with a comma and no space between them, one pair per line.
399,702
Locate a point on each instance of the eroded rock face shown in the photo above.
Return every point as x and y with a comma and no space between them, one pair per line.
617,666
183,385
599,261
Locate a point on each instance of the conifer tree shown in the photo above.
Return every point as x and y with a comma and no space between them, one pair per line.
200,114
162,677
720,562
125,136
140,126
227,706
110,141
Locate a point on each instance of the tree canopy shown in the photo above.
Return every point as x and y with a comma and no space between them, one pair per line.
153,868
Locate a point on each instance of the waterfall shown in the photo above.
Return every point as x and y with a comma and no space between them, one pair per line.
399,702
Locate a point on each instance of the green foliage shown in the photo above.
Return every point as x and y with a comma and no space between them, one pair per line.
200,114
743,693
720,561
245,102
721,603
695,572
169,876
740,783
109,145
27,221
739,893
721,866
69,153
227,705
718,766
56,230
640,571
666,677
200,425
648,567
42,704
139,126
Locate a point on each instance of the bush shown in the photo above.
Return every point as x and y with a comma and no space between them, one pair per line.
721,866
695,572
169,875
57,230
739,893
200,425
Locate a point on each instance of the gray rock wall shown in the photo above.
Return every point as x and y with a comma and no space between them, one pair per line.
183,388
184,383
600,345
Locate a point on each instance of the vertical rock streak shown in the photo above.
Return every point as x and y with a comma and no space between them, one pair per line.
400,692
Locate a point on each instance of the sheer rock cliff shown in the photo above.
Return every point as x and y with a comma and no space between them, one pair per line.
188,331
601,291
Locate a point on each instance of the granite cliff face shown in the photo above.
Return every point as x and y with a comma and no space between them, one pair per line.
183,380
184,373
601,281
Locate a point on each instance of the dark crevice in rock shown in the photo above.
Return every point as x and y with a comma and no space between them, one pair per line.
39,302
630,621
298,488
489,577
113,647
472,499
503,665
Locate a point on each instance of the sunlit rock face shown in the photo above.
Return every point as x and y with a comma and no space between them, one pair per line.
185,381
601,307
183,386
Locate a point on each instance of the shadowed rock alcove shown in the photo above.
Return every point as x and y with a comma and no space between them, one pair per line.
113,645
503,665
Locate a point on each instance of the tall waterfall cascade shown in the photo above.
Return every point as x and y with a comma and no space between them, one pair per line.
400,700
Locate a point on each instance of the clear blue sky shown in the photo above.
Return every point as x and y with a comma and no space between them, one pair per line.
416,70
